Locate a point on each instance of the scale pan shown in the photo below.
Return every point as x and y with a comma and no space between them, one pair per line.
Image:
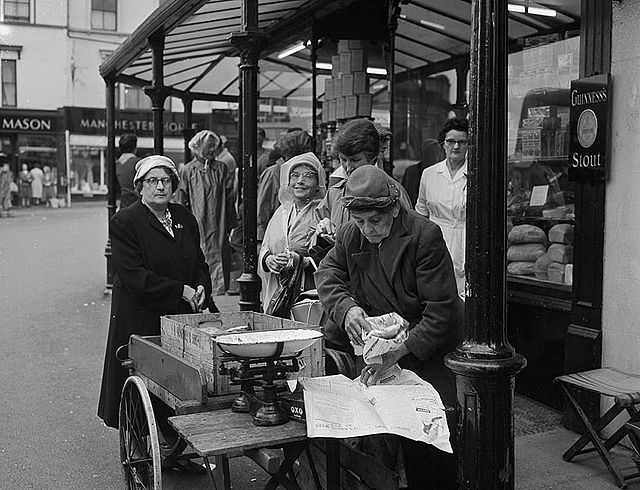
269,343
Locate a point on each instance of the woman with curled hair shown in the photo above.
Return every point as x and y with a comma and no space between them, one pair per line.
442,196
159,269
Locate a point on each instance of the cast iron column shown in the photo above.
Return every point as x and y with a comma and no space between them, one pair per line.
187,131
314,87
157,92
485,364
249,42
111,172
394,12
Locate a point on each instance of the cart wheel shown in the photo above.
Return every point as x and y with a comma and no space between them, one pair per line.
139,448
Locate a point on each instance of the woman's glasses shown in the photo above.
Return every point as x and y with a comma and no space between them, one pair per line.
306,177
153,182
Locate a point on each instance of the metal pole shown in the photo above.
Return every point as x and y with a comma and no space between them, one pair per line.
187,131
111,172
249,42
157,92
314,86
485,364
394,12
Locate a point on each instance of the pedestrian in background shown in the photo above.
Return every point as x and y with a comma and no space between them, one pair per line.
6,178
263,154
48,186
24,183
208,192
126,169
37,175
431,154
159,270
443,193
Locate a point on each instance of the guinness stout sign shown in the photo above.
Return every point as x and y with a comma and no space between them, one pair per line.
589,128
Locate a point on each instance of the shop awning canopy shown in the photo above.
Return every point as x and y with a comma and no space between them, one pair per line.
199,59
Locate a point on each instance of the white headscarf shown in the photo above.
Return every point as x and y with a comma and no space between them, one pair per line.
309,160
197,142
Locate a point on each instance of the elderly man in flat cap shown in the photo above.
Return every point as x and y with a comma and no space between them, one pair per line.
390,259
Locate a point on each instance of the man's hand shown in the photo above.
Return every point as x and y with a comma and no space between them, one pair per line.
355,324
189,295
371,374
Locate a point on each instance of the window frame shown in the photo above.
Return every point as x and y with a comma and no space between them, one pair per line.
3,83
103,11
16,3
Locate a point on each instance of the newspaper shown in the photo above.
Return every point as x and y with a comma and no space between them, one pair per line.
404,404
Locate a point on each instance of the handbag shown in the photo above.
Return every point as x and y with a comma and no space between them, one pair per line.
289,289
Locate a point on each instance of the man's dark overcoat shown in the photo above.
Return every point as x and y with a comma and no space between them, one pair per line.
410,273
150,270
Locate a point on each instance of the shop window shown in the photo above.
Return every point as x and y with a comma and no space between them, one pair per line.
9,84
540,197
88,170
103,14
16,10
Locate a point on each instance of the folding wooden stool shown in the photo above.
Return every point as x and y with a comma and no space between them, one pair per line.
624,388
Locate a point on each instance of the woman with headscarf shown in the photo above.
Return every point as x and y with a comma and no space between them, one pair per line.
390,259
206,189
159,269
294,142
302,186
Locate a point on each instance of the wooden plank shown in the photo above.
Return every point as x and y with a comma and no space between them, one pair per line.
223,431
182,380
268,459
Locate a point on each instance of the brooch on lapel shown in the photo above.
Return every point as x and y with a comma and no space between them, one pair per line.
178,226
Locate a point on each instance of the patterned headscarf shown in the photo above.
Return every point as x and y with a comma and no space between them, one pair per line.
198,141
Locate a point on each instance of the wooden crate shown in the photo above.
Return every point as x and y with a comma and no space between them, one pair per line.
192,337
358,470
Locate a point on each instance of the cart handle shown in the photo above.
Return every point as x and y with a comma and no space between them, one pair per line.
119,351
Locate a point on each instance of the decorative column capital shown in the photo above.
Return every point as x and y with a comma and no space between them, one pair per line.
157,94
250,44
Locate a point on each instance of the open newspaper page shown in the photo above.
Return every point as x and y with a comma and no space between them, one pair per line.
404,404
336,407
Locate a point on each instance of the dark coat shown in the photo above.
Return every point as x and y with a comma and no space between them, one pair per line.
151,268
413,276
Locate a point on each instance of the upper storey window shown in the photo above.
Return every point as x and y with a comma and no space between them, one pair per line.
103,14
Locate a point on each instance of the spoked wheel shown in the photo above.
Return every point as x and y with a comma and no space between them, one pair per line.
139,448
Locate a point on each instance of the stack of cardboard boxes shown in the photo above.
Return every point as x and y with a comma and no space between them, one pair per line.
347,91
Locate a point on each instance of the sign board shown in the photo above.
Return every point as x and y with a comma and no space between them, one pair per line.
589,128
85,120
29,122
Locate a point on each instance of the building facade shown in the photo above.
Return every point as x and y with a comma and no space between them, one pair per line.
52,107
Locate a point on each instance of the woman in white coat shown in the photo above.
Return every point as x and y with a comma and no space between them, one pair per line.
443,193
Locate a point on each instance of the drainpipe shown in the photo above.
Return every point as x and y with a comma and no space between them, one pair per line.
249,43
485,365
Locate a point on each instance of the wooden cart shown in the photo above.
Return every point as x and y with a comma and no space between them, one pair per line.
166,391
